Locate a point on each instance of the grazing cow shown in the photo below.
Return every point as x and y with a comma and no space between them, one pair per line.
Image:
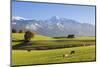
29,50
65,55
72,52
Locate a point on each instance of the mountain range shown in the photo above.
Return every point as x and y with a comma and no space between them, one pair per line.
54,27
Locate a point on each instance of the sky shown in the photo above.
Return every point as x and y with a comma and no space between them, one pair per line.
42,11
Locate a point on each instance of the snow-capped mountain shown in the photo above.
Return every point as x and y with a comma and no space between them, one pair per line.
54,26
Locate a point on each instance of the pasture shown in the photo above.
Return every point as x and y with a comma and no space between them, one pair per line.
47,50
22,57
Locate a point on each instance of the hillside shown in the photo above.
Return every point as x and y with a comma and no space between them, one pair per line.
44,42
20,36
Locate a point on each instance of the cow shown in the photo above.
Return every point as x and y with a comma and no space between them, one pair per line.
65,55
72,52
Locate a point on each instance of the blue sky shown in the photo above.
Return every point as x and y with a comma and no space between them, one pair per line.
29,10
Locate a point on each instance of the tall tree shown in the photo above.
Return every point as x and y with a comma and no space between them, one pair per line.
28,35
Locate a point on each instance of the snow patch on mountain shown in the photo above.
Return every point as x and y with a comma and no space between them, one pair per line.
31,27
60,26
18,18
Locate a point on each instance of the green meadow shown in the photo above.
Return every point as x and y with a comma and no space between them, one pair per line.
48,50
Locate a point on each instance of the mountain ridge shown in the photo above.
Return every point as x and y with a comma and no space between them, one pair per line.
55,26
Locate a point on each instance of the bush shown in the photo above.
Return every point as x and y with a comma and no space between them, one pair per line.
28,35
71,36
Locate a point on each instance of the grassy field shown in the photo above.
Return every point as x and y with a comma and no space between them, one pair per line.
51,54
22,57
20,36
40,38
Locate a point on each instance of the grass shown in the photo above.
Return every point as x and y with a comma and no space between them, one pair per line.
20,36
82,53
44,45
22,57
40,38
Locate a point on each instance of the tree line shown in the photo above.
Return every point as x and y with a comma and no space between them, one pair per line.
16,31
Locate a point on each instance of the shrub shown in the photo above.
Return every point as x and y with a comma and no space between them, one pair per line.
71,36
